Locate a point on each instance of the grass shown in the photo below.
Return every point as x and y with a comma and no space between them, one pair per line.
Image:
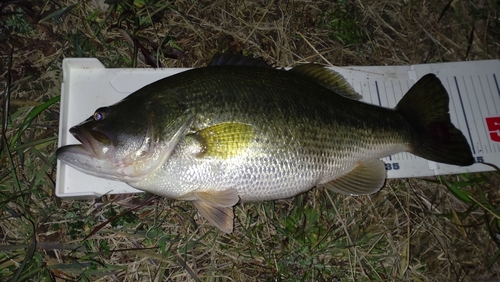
433,229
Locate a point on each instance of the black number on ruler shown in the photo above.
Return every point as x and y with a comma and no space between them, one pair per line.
392,166
480,159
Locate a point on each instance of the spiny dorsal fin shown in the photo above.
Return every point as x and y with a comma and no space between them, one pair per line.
230,59
366,178
329,79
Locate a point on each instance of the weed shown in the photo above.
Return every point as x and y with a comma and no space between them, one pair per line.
345,24
17,23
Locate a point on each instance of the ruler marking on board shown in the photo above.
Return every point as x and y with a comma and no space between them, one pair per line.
481,149
496,83
396,101
473,113
367,98
484,96
378,93
495,107
486,104
394,98
458,121
360,89
465,116
362,92
492,149
386,96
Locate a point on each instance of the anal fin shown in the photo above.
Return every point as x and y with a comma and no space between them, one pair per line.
367,177
217,207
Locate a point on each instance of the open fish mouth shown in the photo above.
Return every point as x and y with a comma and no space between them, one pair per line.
93,141
79,157
83,138
90,156
98,155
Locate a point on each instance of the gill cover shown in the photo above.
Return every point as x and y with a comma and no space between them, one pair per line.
119,149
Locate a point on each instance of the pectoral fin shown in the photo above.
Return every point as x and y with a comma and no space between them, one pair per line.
217,207
225,140
366,178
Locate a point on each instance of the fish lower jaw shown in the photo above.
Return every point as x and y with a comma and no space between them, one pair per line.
135,171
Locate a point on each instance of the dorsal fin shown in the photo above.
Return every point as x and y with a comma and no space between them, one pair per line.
328,78
230,59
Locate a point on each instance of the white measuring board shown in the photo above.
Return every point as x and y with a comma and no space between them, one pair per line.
474,89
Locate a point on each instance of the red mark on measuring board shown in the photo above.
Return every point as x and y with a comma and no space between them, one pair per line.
493,124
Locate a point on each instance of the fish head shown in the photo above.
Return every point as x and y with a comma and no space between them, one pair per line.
125,141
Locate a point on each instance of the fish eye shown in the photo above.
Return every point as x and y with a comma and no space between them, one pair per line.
101,113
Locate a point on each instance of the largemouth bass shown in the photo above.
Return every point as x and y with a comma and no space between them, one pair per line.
238,130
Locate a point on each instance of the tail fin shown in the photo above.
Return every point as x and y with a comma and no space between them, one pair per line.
425,107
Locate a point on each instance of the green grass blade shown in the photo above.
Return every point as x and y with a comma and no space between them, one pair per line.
31,116
28,256
58,13
41,143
